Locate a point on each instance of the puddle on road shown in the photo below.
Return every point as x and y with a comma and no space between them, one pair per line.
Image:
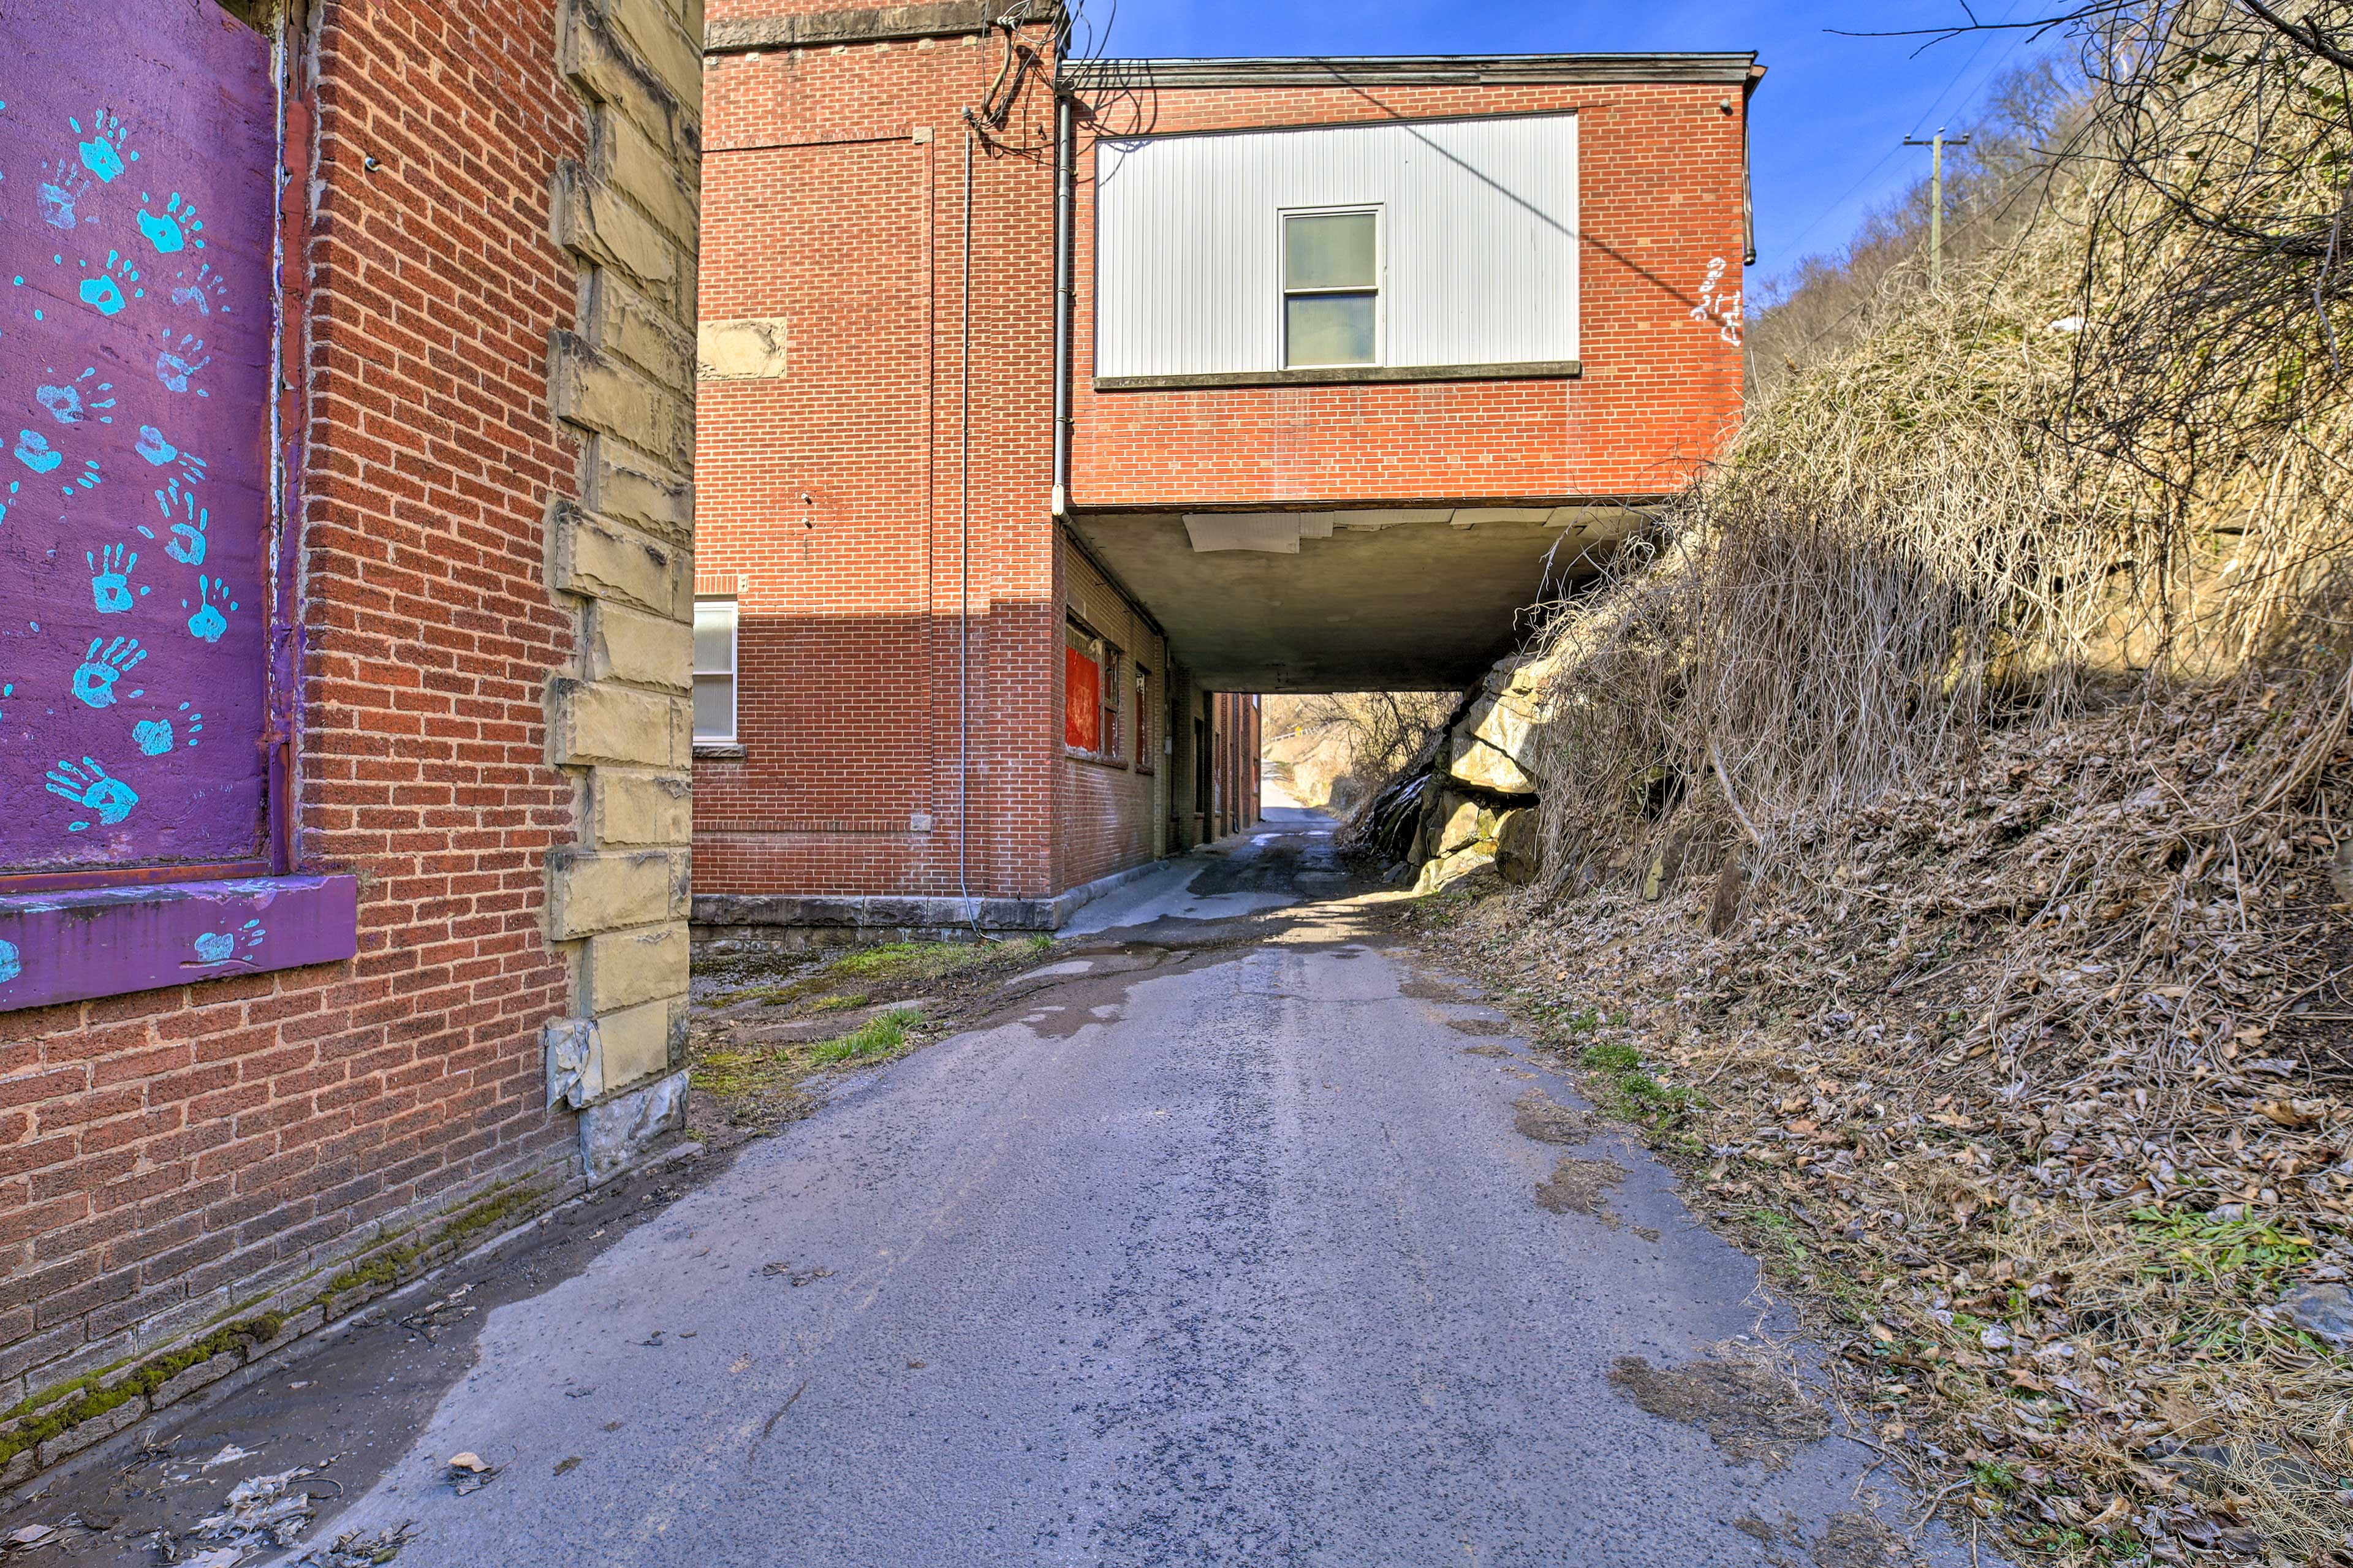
1538,1116
1423,989
1582,1186
1753,1412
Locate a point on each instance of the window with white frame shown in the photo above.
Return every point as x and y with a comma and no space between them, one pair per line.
1331,288
715,671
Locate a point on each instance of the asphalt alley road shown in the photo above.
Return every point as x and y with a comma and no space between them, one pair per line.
1221,1248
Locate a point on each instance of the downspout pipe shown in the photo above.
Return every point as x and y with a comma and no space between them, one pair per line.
1065,180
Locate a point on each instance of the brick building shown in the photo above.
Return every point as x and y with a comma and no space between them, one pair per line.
1048,405
345,593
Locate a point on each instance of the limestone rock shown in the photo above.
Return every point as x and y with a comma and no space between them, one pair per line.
1475,763
2324,1311
1439,875
1517,848
1459,822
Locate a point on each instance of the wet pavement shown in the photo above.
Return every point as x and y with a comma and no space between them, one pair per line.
1238,1236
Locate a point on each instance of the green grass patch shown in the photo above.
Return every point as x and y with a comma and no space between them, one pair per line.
895,961
2246,1257
877,1036
1626,1090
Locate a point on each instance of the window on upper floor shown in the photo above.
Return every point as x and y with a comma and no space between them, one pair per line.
1331,288
715,671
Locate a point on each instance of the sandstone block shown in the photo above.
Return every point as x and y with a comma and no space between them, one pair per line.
625,323
629,807
629,967
592,723
754,348
600,393
629,645
590,892
637,1042
629,487
599,558
664,178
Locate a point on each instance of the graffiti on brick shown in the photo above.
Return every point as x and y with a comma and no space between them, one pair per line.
138,202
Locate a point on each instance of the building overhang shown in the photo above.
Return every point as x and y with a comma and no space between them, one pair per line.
1382,598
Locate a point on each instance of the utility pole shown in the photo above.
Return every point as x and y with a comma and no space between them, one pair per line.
1938,142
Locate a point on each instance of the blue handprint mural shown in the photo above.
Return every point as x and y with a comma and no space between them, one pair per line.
33,450
94,677
109,581
153,736
175,227
182,358
203,291
89,784
83,397
102,155
223,946
188,524
137,224
62,187
105,292
210,621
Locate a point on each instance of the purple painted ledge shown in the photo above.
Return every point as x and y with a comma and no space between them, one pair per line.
106,942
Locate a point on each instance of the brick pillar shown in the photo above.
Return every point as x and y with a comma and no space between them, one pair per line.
623,380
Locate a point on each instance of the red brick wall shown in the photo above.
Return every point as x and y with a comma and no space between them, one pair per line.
821,206
168,1155
1659,196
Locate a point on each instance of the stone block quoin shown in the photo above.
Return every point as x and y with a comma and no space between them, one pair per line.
621,541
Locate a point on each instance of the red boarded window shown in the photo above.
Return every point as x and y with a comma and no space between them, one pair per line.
1082,692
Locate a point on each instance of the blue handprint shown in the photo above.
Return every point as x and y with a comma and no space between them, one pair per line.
104,293
173,228
153,736
208,622
33,450
89,785
205,290
102,155
94,677
187,546
11,965
74,400
220,946
181,359
13,484
109,585
62,187
160,452
89,478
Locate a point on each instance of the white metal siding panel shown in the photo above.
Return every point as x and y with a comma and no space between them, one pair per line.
1478,241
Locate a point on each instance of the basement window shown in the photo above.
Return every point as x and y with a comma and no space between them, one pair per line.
1331,288
715,671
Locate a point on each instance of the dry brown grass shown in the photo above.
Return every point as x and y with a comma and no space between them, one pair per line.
2002,674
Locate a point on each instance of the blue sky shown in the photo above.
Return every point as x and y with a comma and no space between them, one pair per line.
1828,117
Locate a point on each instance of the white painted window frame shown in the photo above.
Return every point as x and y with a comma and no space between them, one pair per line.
1284,291
733,672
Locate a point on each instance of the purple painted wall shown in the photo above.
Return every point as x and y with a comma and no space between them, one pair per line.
137,196
103,942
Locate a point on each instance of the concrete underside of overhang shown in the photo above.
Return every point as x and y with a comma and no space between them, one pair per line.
1393,599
